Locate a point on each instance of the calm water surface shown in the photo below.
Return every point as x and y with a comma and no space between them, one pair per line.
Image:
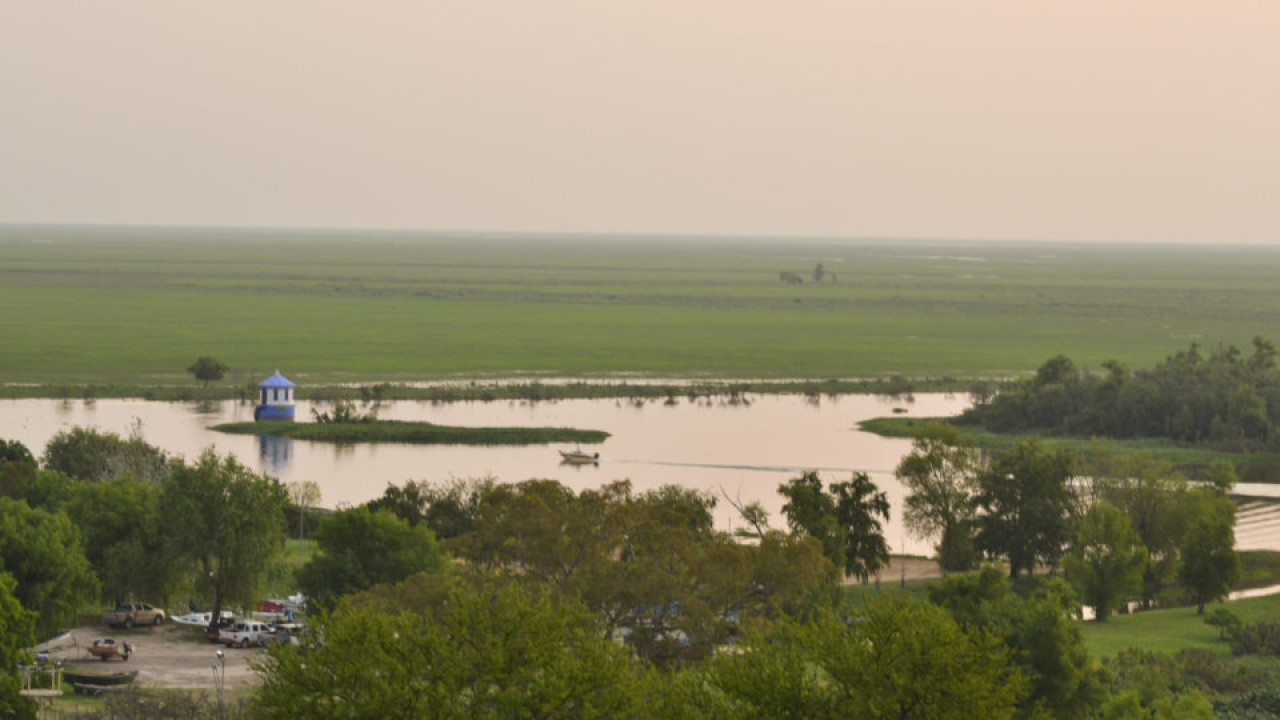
745,450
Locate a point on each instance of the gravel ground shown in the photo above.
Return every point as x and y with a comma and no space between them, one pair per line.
169,655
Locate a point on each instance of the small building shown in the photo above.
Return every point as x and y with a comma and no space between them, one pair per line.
275,399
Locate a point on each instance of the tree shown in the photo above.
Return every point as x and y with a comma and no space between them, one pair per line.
495,652
844,520
120,521
17,469
42,551
358,549
1210,566
1025,497
14,451
899,658
449,510
226,521
1153,497
651,567
1106,561
1037,625
17,631
859,509
939,474
208,369
92,455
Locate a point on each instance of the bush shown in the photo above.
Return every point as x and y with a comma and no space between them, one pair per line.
1257,639
1226,621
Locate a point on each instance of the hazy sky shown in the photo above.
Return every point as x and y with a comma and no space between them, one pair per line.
1136,120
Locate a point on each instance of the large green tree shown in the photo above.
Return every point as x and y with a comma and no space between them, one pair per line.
651,566
42,551
92,455
1038,626
1210,566
1153,496
939,474
509,652
1026,501
120,521
226,522
897,658
1106,560
846,520
357,549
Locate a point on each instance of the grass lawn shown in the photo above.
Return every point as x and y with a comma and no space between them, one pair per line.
1174,629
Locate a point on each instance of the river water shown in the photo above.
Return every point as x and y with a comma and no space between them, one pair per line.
744,449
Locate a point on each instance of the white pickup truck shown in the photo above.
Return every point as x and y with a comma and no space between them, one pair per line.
245,633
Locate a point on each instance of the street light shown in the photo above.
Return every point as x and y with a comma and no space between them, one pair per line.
219,679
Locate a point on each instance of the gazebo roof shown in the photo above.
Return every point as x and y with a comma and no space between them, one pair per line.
276,381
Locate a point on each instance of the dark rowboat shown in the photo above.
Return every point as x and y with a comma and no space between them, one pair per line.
97,683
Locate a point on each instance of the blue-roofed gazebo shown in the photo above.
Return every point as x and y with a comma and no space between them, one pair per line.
275,398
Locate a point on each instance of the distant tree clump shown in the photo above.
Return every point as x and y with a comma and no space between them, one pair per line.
1224,399
208,369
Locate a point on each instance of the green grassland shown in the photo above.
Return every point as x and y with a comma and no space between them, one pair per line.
136,306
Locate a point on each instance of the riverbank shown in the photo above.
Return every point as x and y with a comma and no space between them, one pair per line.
484,390
1252,467
414,433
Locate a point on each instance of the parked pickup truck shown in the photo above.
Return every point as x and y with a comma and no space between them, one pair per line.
246,633
129,614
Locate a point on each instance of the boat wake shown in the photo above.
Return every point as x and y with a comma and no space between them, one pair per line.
755,468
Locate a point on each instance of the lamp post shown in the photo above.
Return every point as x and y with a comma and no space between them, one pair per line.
219,679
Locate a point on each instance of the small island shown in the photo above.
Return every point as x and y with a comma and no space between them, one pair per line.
414,433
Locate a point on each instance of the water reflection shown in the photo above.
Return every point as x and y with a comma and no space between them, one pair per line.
207,407
275,454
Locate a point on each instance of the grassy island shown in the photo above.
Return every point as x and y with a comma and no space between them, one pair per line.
413,433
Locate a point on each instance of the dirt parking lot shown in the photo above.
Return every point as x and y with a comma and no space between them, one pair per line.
172,655
169,655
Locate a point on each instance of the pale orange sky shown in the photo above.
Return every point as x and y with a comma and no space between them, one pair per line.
1115,120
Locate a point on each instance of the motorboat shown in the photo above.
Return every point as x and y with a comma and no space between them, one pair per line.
579,456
